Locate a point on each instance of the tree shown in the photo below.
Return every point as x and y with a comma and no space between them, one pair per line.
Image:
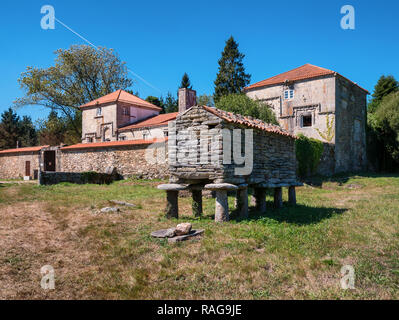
205,100
80,74
14,131
241,104
156,101
231,77
384,86
170,104
185,82
53,130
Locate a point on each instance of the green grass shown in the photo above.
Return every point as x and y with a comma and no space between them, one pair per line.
292,253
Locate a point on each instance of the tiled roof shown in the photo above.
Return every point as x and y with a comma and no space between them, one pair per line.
306,71
158,120
248,121
20,150
121,96
113,144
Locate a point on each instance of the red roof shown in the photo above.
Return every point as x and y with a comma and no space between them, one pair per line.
306,71
27,149
113,144
248,121
158,120
121,96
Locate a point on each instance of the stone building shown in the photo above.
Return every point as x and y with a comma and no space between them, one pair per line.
321,104
102,118
205,152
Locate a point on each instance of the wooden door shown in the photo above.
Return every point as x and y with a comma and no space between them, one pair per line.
27,168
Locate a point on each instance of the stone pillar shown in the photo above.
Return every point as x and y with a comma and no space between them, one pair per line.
197,202
172,195
221,206
278,197
260,199
172,207
242,202
292,195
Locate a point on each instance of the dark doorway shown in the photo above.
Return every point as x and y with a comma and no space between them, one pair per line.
49,161
27,168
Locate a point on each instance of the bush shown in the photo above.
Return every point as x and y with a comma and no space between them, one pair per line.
308,154
241,104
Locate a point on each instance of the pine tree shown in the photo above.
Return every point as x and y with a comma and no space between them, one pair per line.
384,86
28,134
10,129
170,104
185,82
231,77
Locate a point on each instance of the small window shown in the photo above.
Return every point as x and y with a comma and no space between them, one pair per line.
125,111
99,111
307,121
89,139
146,135
122,138
288,94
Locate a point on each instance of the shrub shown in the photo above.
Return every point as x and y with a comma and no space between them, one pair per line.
241,104
308,154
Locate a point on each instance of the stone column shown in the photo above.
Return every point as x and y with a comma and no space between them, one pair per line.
172,206
197,202
278,197
221,205
260,199
292,195
242,202
172,195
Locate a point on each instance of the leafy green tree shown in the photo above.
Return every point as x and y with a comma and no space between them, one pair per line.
185,82
384,86
241,104
80,74
205,100
156,101
231,77
53,130
170,104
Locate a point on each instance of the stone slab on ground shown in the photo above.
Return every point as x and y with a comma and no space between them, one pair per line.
123,203
164,233
109,209
193,233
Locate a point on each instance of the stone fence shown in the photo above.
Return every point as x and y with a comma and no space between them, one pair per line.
51,178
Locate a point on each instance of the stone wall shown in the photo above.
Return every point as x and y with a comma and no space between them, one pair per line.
129,161
12,165
50,178
326,165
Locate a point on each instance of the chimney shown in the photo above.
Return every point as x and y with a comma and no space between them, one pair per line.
187,99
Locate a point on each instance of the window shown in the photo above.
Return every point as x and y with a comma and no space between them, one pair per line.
146,135
288,94
122,138
125,111
89,139
307,121
99,111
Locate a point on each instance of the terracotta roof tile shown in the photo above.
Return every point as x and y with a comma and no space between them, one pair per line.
158,120
113,144
121,96
249,122
20,150
306,71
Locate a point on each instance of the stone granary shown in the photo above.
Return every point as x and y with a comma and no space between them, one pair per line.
206,153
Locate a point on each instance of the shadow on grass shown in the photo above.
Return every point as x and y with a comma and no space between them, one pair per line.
299,214
317,181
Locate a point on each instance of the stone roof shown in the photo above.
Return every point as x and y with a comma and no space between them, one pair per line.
21,150
158,120
307,71
121,96
113,144
248,122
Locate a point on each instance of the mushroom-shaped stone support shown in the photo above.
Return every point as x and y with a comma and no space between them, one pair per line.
278,197
260,199
222,205
196,192
172,194
292,195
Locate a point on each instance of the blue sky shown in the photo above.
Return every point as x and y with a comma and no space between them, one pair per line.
160,40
